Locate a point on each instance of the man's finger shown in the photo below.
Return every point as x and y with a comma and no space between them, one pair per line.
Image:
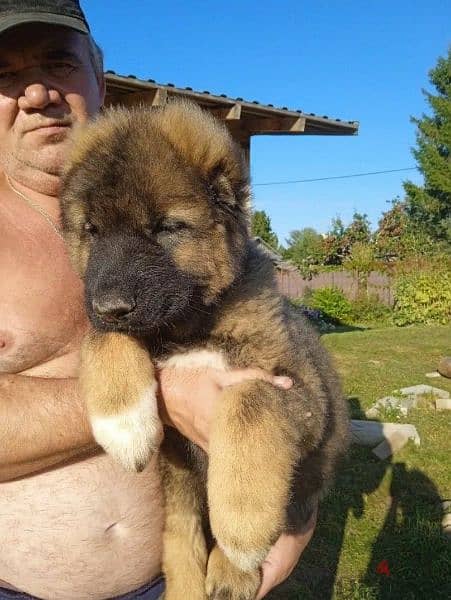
240,375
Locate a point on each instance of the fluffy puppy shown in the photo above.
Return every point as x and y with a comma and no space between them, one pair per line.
156,217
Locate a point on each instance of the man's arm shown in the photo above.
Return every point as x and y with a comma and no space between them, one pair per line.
43,423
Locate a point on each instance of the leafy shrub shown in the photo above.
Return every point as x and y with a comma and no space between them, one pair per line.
370,310
331,302
440,261
422,297
314,315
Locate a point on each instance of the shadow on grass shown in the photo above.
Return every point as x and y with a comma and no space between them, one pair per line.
411,542
344,328
408,556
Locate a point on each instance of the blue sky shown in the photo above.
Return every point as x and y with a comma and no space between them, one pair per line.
363,61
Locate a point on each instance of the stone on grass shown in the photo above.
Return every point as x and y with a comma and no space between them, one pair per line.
406,399
424,390
446,524
394,441
432,374
372,433
444,366
443,403
403,405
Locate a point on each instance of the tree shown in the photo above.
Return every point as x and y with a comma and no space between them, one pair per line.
361,261
391,232
261,227
333,243
357,231
398,238
305,249
339,241
429,206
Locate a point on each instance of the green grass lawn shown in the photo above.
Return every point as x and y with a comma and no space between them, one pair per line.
384,510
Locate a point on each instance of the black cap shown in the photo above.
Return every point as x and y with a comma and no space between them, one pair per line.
66,13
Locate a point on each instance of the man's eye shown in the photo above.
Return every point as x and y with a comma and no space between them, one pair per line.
7,78
60,69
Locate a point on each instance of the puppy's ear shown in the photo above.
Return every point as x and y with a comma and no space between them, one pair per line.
222,190
205,143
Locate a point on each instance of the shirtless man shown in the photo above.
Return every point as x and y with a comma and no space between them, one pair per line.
73,524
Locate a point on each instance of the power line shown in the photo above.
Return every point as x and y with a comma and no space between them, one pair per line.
335,177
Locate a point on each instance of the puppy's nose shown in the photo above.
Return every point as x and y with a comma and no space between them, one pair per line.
113,307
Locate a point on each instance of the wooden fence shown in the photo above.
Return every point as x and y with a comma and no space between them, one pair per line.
293,285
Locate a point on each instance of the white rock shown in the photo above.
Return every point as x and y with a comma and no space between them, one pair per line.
443,404
394,442
433,374
371,433
446,525
403,405
422,389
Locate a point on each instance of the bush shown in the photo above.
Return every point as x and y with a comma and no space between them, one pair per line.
332,303
316,317
422,297
370,310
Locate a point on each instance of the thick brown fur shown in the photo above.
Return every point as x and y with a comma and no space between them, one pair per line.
155,211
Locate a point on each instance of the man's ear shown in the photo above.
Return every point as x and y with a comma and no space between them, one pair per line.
102,90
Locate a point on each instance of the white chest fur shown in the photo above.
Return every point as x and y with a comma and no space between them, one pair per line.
200,358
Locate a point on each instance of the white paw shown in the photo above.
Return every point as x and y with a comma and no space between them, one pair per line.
133,436
245,561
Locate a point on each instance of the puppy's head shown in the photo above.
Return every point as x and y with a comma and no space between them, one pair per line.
155,214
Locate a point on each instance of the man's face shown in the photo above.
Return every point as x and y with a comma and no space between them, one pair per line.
47,87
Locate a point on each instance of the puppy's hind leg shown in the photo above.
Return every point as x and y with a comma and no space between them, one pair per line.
253,451
184,547
118,383
225,581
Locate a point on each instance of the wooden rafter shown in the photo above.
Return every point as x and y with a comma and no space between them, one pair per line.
155,97
275,124
229,113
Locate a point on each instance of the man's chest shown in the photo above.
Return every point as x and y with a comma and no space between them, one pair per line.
41,298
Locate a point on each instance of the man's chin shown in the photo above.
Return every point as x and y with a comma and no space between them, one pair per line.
48,157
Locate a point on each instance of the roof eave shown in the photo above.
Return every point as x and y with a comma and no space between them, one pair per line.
242,117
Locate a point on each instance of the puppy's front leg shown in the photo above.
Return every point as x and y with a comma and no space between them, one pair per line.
117,380
253,451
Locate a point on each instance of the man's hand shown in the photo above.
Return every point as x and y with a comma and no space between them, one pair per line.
284,556
188,396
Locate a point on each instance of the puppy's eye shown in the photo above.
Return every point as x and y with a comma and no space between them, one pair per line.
172,227
90,228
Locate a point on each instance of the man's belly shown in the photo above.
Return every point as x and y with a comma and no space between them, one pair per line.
83,531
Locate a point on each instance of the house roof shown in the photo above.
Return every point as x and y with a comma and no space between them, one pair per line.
276,258
243,117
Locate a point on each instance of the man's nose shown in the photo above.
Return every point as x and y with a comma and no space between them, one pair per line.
38,96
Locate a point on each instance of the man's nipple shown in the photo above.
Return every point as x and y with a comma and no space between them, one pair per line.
5,340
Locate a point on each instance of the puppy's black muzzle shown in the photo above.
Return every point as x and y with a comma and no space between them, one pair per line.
133,285
113,306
